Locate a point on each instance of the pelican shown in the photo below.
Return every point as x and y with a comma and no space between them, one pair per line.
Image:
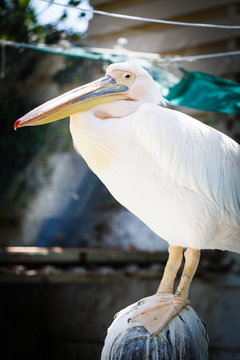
178,175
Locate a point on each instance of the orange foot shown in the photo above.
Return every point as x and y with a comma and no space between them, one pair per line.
155,312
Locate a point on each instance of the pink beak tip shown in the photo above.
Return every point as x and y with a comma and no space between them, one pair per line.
16,124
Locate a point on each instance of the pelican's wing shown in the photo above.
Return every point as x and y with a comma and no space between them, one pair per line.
192,154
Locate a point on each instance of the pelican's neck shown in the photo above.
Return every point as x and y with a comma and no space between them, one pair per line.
96,131
92,139
116,109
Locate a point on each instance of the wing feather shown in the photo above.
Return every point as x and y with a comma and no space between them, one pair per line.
193,155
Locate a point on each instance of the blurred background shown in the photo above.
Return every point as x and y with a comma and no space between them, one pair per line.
71,256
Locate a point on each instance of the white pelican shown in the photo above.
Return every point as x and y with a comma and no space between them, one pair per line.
178,175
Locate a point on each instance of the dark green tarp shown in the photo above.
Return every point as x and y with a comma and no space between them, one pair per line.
206,92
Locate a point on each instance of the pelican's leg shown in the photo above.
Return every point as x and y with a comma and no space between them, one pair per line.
164,305
171,269
192,257
163,298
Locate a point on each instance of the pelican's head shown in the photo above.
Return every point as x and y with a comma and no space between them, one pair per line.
125,81
141,85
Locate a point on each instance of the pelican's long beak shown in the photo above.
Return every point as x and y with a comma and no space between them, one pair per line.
77,100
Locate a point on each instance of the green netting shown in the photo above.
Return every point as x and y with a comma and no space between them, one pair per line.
206,92
196,89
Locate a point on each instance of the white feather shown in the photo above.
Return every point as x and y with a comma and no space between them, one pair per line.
179,176
194,156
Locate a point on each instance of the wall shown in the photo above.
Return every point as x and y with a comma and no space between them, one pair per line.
66,315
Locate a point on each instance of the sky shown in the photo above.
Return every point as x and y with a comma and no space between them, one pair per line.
50,13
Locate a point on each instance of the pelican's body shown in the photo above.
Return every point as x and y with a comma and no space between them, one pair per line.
170,170
178,175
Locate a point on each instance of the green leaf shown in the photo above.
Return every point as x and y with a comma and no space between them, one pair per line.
74,2
64,15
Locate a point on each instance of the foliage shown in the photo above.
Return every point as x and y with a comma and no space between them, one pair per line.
18,23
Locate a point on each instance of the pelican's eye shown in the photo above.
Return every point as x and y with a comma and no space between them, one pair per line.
124,77
128,76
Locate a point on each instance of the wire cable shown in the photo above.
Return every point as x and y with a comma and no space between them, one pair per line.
201,57
138,18
76,51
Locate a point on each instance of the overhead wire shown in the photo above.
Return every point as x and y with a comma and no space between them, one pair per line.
202,57
95,52
108,53
76,52
145,19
